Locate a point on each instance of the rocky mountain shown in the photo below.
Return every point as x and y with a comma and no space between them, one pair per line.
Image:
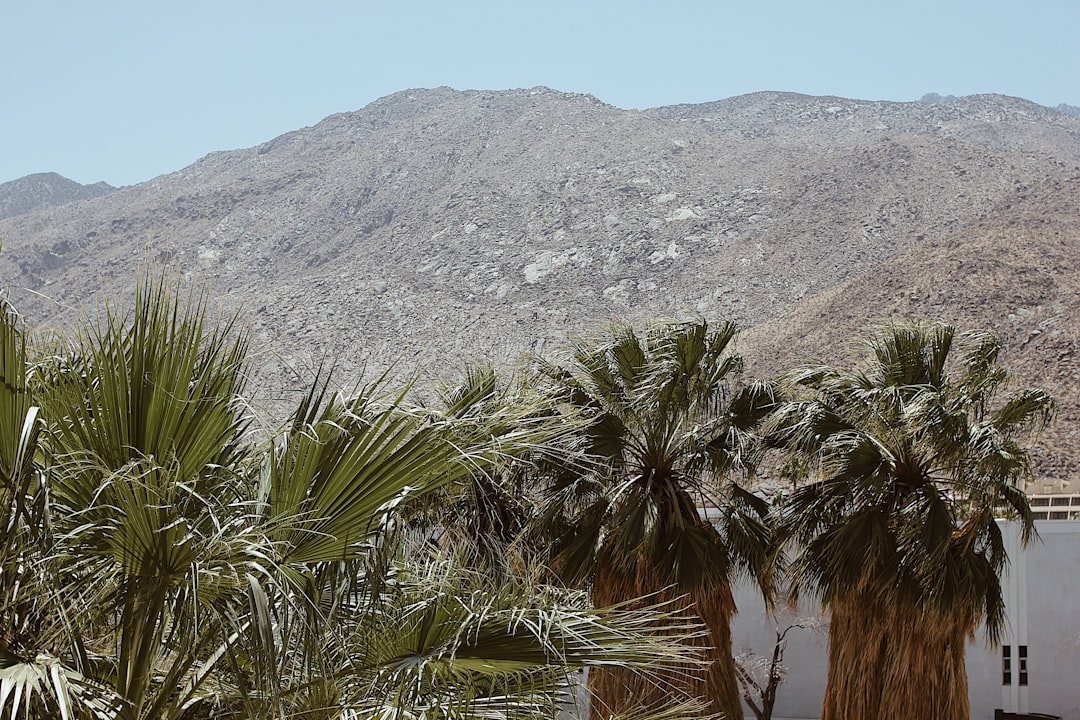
44,190
1016,271
436,225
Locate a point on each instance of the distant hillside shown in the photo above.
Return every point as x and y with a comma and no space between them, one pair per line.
1016,271
45,190
937,98
436,225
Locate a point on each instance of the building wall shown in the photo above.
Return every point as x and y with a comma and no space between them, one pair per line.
1042,596
805,655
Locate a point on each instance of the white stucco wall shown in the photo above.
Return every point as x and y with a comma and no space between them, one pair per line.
1042,595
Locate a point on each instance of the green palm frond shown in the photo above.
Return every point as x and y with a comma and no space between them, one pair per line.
144,442
21,429
511,428
477,650
1029,410
39,616
909,354
670,430
331,481
160,385
909,458
44,687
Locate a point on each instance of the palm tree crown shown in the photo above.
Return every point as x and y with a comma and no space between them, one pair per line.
666,431
910,459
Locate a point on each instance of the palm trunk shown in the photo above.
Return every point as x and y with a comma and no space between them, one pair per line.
716,607
140,641
926,674
891,661
614,690
857,648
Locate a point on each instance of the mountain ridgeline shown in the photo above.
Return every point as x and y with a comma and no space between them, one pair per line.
433,226
45,190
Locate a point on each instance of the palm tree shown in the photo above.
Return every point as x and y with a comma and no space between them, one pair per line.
31,635
907,461
364,624
487,520
159,563
666,433
145,434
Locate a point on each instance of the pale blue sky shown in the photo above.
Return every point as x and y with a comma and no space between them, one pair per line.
124,90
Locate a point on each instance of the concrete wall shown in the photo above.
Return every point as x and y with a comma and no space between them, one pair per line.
1042,589
805,655
1042,595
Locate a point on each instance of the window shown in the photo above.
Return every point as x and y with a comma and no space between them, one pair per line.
1023,664
1006,665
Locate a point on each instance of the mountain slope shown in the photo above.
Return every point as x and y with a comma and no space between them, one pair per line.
1016,272
433,225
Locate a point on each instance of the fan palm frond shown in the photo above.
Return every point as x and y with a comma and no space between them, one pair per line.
908,459
670,431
